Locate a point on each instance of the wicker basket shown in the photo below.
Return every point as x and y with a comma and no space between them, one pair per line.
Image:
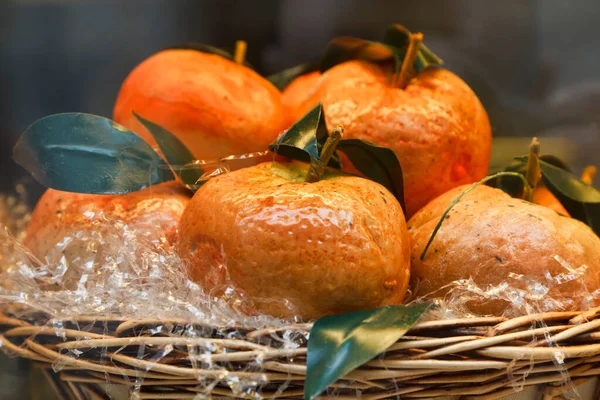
480,358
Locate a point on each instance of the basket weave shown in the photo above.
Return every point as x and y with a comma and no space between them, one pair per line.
480,358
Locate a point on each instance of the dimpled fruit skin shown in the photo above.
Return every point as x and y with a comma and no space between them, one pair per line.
328,247
155,211
488,235
213,105
437,126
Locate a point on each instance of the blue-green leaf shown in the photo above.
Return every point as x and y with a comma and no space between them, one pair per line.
340,343
86,153
175,152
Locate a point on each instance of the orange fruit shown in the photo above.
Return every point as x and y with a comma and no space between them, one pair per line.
153,213
215,106
297,248
437,126
488,235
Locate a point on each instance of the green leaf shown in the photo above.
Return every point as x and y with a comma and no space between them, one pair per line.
588,213
204,48
514,186
85,153
557,162
582,201
392,49
511,185
377,163
568,184
281,79
398,36
305,139
340,343
347,48
178,156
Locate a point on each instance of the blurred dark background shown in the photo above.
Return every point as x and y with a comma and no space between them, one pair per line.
534,63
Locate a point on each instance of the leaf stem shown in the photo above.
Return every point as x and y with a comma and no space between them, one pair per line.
240,51
460,196
533,173
589,173
408,70
317,167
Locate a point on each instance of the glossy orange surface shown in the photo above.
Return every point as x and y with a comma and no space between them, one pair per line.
296,248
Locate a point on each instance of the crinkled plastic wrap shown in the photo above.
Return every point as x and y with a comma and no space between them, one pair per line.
128,271
523,296
139,276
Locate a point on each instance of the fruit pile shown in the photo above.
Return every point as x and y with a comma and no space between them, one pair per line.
374,185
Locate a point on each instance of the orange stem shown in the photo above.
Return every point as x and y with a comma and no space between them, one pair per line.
533,174
408,70
240,51
317,168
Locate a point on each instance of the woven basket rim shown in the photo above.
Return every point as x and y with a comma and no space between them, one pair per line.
479,358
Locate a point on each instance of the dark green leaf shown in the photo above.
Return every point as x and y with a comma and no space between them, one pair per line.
398,36
588,213
204,48
557,162
510,184
346,48
178,156
85,153
582,201
305,139
376,163
568,184
340,343
392,49
285,77
429,56
514,186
